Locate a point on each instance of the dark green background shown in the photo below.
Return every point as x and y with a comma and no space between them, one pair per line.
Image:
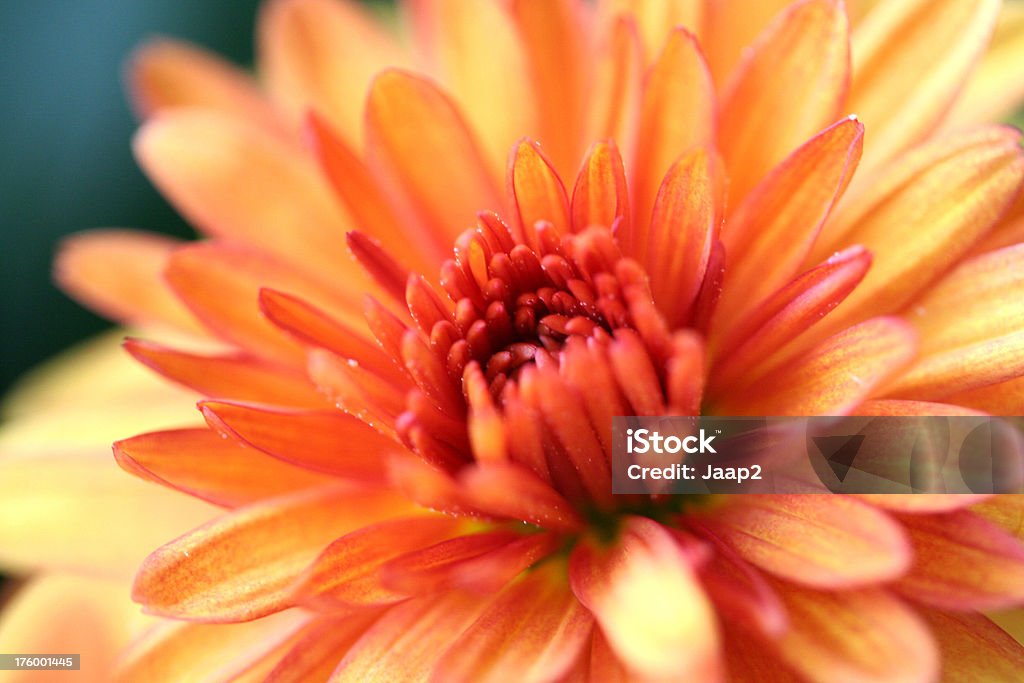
65,160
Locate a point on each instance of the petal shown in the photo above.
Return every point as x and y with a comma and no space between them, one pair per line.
1004,398
676,113
974,648
167,74
772,231
884,406
656,19
858,636
787,313
495,93
231,179
648,602
348,572
57,510
188,651
538,192
321,55
992,93
910,60
684,225
119,273
816,540
536,627
935,202
67,613
615,93
221,285
417,136
229,377
421,630
741,594
791,84
241,566
315,656
203,464
730,27
514,492
1007,511
323,441
600,196
963,321
832,378
963,562
921,503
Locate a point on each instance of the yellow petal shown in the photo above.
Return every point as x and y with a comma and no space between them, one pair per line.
974,648
910,59
655,19
730,27
791,84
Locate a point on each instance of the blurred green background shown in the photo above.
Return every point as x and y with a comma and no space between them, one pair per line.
65,158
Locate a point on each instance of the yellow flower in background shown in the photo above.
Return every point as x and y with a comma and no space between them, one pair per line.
435,266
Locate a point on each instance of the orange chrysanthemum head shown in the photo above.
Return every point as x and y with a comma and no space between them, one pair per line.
408,402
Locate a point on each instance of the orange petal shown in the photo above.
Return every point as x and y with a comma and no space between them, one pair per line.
614,101
772,231
550,35
935,203
513,492
656,19
323,644
420,629
348,572
367,201
992,93
963,562
910,60
118,273
963,323
817,540
495,93
863,635
167,74
323,441
1004,398
233,377
189,651
1005,510
883,406
242,566
676,113
203,464
482,563
921,503
232,179
684,224
648,602
786,314
320,55
536,627
56,613
974,648
221,285
832,378
600,196
418,137
730,27
741,594
538,192
791,84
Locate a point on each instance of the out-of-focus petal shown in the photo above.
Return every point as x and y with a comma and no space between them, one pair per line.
910,59
120,274
418,137
730,27
963,562
231,179
648,601
320,55
536,628
655,19
315,655
516,492
241,566
973,648
203,464
790,85
1005,510
816,540
168,74
858,636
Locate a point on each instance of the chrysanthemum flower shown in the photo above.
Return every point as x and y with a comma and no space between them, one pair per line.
419,337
